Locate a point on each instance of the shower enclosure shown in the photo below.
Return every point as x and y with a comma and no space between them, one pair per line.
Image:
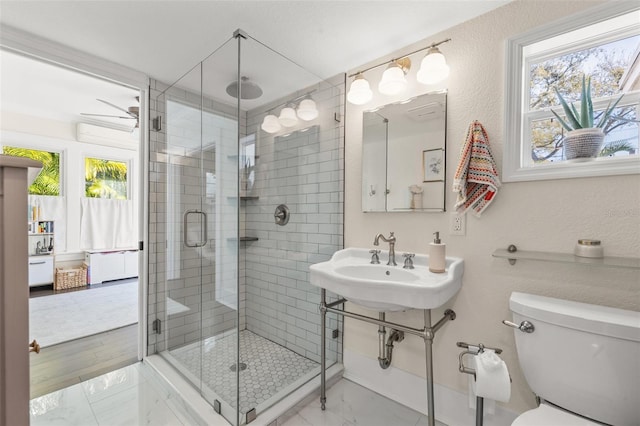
230,305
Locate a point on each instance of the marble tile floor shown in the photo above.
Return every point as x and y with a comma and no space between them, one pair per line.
129,396
134,396
349,404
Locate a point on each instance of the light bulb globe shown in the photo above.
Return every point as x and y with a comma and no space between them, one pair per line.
270,124
433,68
307,110
359,92
393,81
288,117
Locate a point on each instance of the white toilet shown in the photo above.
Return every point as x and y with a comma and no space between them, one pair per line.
581,360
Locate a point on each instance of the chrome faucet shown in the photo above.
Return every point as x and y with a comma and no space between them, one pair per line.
392,244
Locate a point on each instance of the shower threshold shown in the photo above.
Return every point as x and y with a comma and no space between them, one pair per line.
272,371
182,393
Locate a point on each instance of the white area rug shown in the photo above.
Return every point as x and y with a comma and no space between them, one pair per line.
62,317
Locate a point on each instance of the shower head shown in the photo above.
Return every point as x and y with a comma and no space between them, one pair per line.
250,90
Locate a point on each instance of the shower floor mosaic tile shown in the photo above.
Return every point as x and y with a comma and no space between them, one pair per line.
270,367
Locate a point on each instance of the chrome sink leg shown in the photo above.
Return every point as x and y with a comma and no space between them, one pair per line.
429,334
428,346
323,347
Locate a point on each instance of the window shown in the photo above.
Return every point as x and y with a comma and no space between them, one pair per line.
604,45
48,181
105,178
247,162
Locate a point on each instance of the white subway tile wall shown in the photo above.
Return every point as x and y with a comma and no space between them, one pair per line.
305,171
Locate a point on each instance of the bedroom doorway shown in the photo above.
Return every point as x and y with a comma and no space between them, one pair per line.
83,215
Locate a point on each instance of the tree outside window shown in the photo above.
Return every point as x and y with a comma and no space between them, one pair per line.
105,179
605,64
48,181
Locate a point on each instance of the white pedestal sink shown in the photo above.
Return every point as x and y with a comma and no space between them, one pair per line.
350,274
383,288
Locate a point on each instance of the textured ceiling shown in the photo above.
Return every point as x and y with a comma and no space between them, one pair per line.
164,39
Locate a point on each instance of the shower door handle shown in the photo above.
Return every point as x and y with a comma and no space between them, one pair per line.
203,236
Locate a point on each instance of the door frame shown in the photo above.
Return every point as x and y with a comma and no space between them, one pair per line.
31,45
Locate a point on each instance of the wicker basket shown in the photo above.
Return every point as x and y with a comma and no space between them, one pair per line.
70,278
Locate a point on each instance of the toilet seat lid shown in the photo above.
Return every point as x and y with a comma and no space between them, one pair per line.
548,415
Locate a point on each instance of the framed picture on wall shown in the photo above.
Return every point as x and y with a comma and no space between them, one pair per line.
433,165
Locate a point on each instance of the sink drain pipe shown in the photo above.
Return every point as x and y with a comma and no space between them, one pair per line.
385,352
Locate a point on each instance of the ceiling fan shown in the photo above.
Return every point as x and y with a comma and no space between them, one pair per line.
132,112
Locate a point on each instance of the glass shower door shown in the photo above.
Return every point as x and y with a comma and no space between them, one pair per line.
195,225
229,284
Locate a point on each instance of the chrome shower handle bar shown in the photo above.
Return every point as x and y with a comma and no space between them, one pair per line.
203,241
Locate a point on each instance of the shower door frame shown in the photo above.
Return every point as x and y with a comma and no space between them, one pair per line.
331,94
220,238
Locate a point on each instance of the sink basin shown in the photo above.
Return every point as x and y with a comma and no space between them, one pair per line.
383,288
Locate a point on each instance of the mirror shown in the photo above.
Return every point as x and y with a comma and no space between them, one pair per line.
403,156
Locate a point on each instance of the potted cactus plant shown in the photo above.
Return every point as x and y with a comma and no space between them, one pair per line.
585,136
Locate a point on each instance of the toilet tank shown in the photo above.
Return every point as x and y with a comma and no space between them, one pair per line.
583,358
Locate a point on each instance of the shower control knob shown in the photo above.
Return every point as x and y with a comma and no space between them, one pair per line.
281,215
524,326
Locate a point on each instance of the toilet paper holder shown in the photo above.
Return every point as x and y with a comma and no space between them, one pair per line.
471,350
474,350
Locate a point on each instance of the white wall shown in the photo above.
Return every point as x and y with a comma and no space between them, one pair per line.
543,215
38,133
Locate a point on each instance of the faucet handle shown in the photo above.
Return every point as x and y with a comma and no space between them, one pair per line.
374,256
408,260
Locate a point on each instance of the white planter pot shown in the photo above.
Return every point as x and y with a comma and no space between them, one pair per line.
583,143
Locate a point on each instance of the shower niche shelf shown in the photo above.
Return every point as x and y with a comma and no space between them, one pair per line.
242,157
244,239
513,254
245,198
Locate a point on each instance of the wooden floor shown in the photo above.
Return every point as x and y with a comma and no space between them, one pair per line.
66,364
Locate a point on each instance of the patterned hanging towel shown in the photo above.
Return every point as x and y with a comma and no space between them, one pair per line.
476,180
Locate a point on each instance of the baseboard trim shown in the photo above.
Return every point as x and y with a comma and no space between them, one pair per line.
451,406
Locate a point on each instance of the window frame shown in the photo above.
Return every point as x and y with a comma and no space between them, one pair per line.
516,167
61,162
126,161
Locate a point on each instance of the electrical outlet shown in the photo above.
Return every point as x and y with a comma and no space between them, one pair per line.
457,224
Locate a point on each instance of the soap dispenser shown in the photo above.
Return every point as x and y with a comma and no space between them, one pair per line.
437,260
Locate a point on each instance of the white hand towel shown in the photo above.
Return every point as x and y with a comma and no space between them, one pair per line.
492,377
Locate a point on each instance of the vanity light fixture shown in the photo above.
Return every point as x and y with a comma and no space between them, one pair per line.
290,116
433,69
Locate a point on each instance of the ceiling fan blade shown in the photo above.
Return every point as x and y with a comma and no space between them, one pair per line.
106,115
117,107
